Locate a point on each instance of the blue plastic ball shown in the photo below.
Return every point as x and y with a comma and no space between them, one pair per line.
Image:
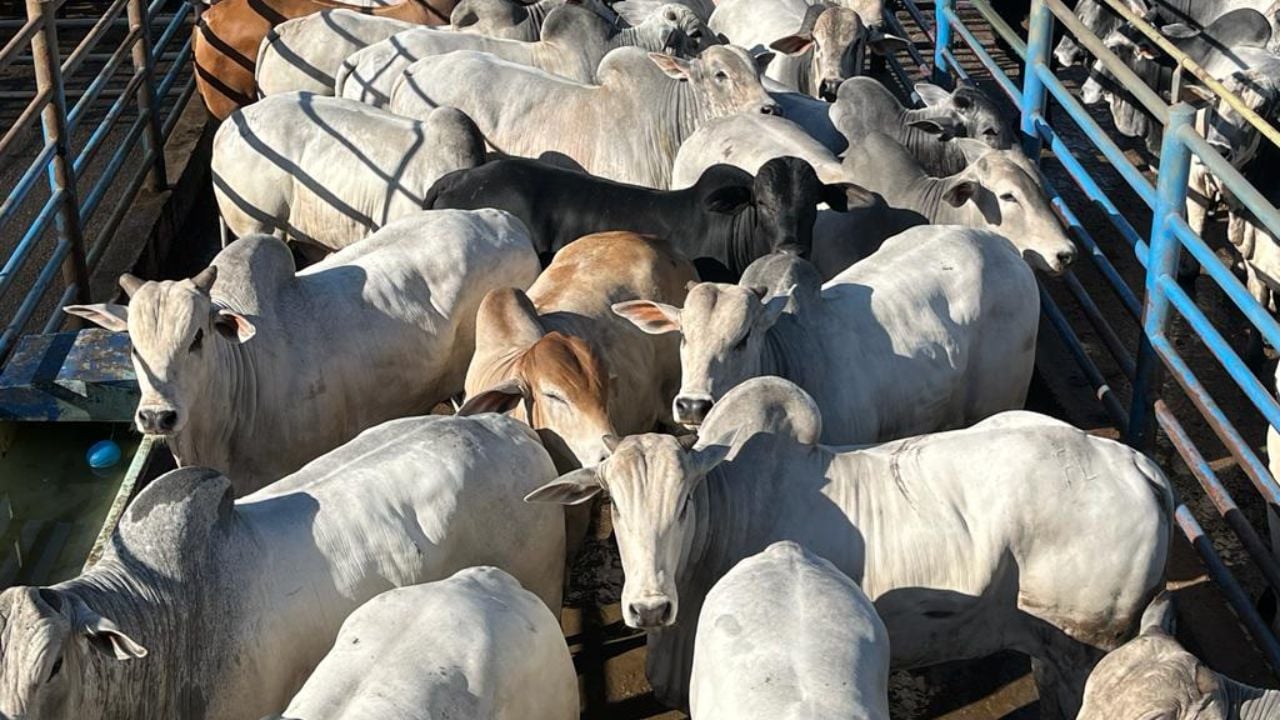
103,454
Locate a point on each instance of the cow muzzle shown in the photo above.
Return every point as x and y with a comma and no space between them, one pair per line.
650,613
692,409
157,419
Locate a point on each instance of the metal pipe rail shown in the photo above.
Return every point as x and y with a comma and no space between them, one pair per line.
1158,251
134,118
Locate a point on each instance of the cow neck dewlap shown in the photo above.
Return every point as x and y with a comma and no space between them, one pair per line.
226,410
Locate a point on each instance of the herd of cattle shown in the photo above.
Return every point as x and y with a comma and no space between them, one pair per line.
682,256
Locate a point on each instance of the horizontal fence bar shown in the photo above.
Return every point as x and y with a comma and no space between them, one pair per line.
1102,389
18,258
10,51
90,41
1243,191
984,57
118,158
1000,27
175,113
105,75
33,297
25,184
107,126
108,229
1258,316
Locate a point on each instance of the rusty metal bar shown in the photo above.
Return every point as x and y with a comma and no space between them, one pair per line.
147,105
10,51
81,51
48,67
37,104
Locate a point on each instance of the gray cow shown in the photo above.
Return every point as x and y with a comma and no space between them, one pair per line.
864,106
1151,676
207,607
954,310
628,128
821,44
574,41
328,171
1019,533
255,370
1196,13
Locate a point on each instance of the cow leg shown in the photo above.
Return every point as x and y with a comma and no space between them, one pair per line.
1061,665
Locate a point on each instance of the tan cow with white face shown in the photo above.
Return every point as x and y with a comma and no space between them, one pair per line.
565,363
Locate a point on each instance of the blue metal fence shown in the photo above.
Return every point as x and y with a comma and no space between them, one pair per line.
1159,252
133,128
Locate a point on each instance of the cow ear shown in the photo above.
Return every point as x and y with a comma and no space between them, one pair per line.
1179,30
774,306
651,317
763,59
675,68
728,200
500,398
102,634
793,44
944,127
107,315
572,488
932,95
233,326
888,44
972,149
1159,617
705,457
842,196
960,192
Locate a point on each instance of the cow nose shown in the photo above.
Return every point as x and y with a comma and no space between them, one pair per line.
650,614
692,410
1066,257
157,421
771,109
828,89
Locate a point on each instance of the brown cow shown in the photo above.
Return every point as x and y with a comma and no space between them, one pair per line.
582,371
228,34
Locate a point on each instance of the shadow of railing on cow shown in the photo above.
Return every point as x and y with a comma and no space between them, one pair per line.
392,177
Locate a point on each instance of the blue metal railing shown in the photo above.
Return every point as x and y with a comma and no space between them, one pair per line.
1159,253
135,125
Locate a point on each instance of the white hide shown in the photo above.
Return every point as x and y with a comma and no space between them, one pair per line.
785,634
304,54
475,646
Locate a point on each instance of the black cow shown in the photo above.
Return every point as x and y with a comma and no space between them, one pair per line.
723,223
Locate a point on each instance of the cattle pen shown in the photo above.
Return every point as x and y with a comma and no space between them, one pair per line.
99,99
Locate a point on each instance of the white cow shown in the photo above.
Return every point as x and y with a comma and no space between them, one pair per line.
628,128
254,370
785,634
937,330
822,44
1152,676
1020,533
574,40
304,54
1000,190
207,607
512,19
475,646
327,171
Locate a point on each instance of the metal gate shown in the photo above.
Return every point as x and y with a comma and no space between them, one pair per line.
1158,250
106,86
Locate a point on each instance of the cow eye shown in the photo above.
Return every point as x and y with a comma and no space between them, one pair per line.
57,668
989,132
1008,197
722,75
198,341
554,397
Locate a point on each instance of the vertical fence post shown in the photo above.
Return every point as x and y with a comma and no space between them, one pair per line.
53,120
1162,260
143,64
942,26
1039,38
